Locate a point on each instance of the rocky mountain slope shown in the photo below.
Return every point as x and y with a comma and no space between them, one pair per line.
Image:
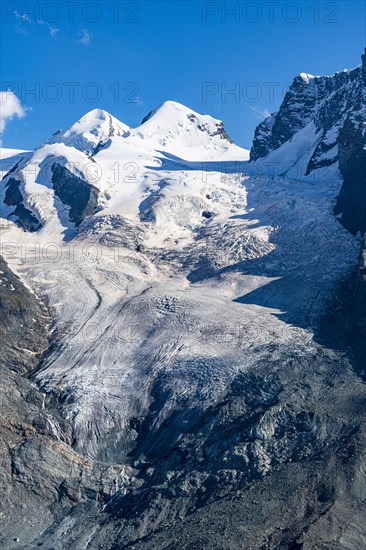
320,122
197,388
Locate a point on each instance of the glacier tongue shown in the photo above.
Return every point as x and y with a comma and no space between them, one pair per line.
176,230
179,299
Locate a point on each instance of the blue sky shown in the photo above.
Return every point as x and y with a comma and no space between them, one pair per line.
128,57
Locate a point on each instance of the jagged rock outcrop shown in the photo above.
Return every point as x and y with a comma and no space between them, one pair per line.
326,117
78,194
351,202
311,119
351,209
14,197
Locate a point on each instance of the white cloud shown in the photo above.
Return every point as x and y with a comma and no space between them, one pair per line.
137,100
53,31
261,114
85,37
10,107
23,16
23,29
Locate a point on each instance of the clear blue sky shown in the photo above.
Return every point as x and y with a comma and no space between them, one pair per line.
138,54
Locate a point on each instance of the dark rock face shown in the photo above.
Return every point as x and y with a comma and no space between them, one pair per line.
351,202
324,102
14,197
262,138
277,462
351,206
81,196
73,191
356,328
20,308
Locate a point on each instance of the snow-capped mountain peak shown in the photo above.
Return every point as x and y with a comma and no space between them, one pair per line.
91,132
306,77
173,122
167,107
99,166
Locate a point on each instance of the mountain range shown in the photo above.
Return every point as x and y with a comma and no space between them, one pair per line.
183,330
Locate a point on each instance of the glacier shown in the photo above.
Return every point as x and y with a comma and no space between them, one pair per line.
194,300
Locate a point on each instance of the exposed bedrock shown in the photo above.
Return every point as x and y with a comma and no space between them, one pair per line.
351,208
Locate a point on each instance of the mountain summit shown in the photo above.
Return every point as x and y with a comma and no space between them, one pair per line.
101,165
172,122
91,132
